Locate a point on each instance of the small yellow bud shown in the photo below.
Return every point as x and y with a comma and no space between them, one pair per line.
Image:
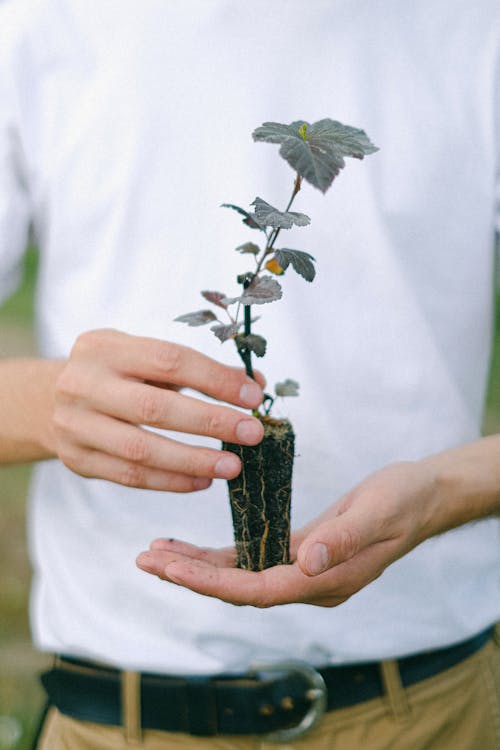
303,131
273,266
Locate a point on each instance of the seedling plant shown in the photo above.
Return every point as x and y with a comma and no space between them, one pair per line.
260,496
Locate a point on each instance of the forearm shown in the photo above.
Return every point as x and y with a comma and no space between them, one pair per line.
466,483
26,405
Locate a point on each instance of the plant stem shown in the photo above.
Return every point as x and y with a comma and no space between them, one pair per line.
248,320
246,280
246,354
246,357
273,236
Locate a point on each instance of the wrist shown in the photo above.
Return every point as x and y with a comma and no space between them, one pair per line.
26,408
465,483
45,434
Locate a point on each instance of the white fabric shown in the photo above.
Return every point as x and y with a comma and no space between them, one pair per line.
132,122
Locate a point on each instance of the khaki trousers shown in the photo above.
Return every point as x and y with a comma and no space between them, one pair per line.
458,709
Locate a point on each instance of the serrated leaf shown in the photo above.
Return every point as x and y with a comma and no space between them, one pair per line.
225,332
198,318
287,388
252,342
318,157
248,247
215,298
249,219
273,266
268,216
276,132
348,140
262,289
301,262
231,300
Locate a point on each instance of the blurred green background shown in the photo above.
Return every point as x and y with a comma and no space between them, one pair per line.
21,698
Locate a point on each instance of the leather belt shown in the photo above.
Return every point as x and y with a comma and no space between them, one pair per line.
268,699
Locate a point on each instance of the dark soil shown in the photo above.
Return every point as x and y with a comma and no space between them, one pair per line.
260,498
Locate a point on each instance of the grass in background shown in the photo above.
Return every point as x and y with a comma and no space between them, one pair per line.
20,695
18,309
492,414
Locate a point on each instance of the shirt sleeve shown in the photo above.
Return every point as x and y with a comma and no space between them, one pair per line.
14,194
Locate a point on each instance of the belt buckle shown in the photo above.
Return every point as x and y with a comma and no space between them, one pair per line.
316,693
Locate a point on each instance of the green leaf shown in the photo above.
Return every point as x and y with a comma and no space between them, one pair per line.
276,132
287,388
301,262
249,220
252,342
318,157
268,216
348,140
198,318
248,247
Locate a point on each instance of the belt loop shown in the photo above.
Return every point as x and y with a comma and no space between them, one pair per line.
131,707
394,690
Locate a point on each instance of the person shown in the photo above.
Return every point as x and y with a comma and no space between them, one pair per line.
122,130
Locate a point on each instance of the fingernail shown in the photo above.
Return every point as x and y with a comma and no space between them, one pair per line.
227,467
250,394
249,431
317,558
200,483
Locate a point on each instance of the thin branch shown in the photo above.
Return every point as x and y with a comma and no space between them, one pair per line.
246,280
273,236
246,354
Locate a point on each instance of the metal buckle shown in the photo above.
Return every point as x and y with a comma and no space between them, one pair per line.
316,693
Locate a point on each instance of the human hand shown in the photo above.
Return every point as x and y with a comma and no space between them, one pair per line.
114,382
333,557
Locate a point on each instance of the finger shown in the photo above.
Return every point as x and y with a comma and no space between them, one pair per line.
204,572
162,361
138,446
157,559
282,584
337,540
224,557
296,539
187,566
257,376
145,404
98,465
349,577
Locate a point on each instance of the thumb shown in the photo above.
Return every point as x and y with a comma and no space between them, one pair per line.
333,542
